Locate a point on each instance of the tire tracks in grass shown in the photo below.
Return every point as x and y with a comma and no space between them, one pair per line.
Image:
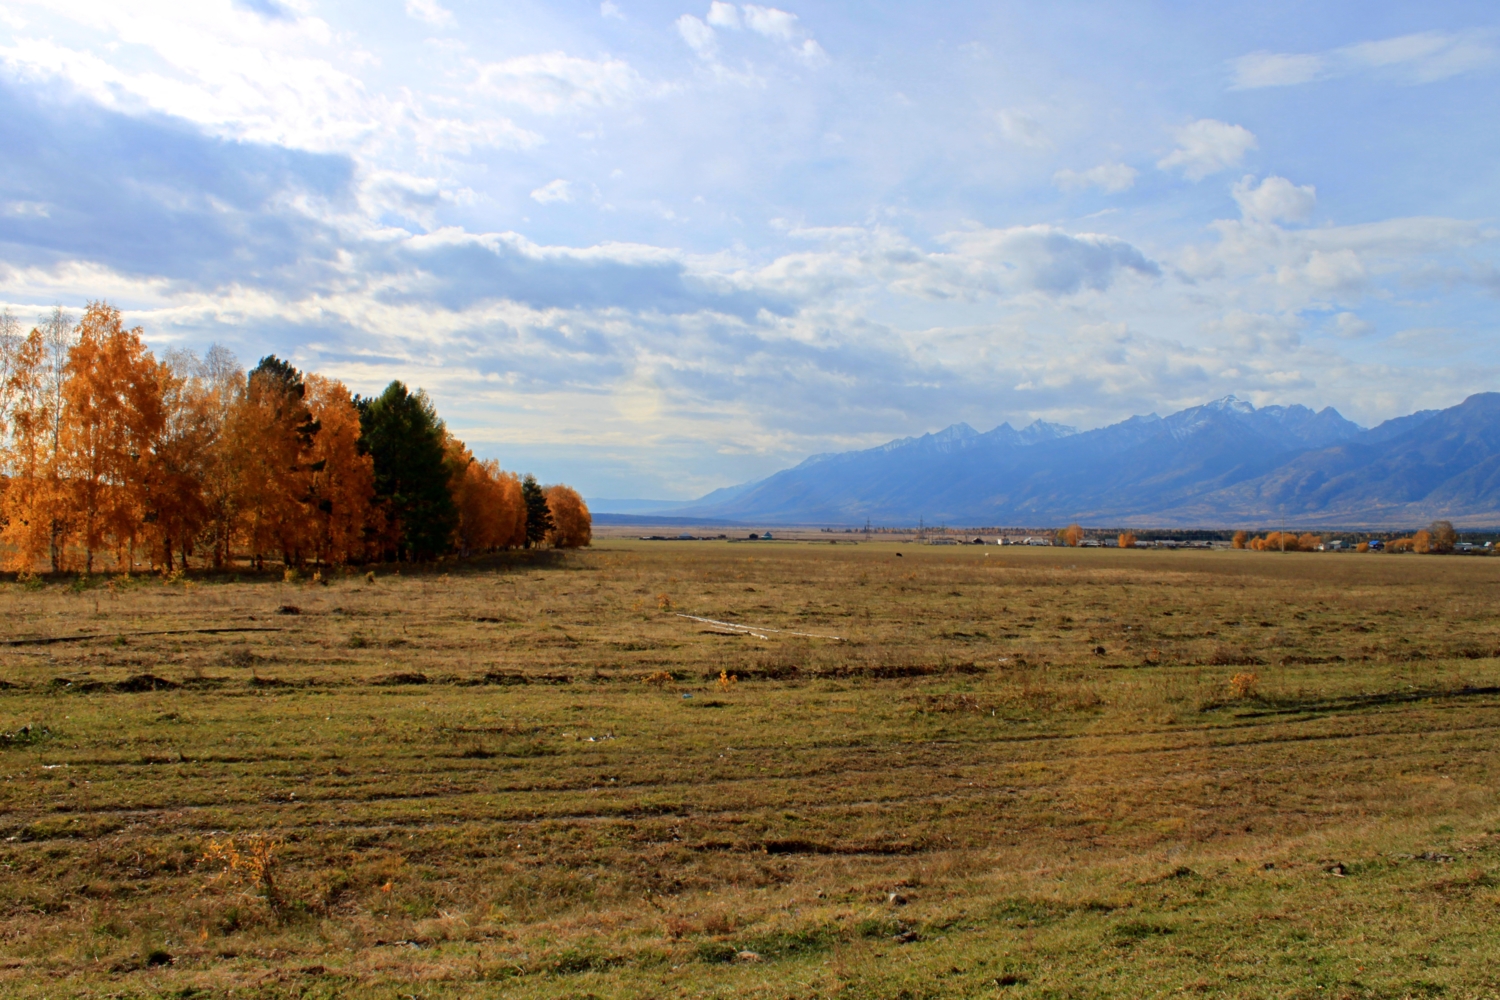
847,776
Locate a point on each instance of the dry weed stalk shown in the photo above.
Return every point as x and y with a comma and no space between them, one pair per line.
727,680
251,863
1243,685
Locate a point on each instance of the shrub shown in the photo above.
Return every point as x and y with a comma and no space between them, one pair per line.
1243,685
251,863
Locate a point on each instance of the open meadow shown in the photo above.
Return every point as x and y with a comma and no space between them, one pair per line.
1015,773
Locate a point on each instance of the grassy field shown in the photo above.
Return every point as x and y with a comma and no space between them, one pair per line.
1016,773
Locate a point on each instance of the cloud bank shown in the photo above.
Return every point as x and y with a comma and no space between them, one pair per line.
653,253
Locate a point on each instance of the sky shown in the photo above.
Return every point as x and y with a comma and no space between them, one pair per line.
654,248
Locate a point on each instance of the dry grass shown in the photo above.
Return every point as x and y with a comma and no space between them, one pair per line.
1025,773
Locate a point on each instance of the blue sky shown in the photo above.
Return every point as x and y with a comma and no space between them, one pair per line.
655,248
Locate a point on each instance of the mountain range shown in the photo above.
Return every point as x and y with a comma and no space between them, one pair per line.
1225,463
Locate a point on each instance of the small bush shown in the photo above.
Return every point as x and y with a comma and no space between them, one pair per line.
250,863
1244,685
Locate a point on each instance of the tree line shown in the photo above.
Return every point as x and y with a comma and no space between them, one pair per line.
1437,538
107,452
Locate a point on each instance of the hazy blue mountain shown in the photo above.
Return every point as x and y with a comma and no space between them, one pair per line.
1443,463
1225,462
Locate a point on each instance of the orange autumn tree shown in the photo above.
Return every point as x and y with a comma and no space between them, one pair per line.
1126,540
112,416
1239,540
30,498
341,502
491,513
272,436
178,504
103,447
572,526
223,460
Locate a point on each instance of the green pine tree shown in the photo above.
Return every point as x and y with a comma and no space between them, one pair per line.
538,515
404,436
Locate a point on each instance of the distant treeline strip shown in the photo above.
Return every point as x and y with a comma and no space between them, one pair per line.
107,451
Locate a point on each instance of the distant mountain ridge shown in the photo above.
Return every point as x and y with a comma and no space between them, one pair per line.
1226,462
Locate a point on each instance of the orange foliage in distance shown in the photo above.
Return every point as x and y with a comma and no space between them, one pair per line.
491,514
176,500
341,496
572,526
1127,540
1239,539
112,417
103,447
30,497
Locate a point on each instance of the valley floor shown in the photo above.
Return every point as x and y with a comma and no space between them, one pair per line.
1014,773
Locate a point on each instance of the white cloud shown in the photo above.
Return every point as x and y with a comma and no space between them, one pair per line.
1275,199
610,9
1424,57
811,52
1109,177
1328,272
558,190
1347,324
980,264
1272,69
699,36
555,82
430,11
282,80
1051,261
1022,129
724,15
24,208
1207,146
771,22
